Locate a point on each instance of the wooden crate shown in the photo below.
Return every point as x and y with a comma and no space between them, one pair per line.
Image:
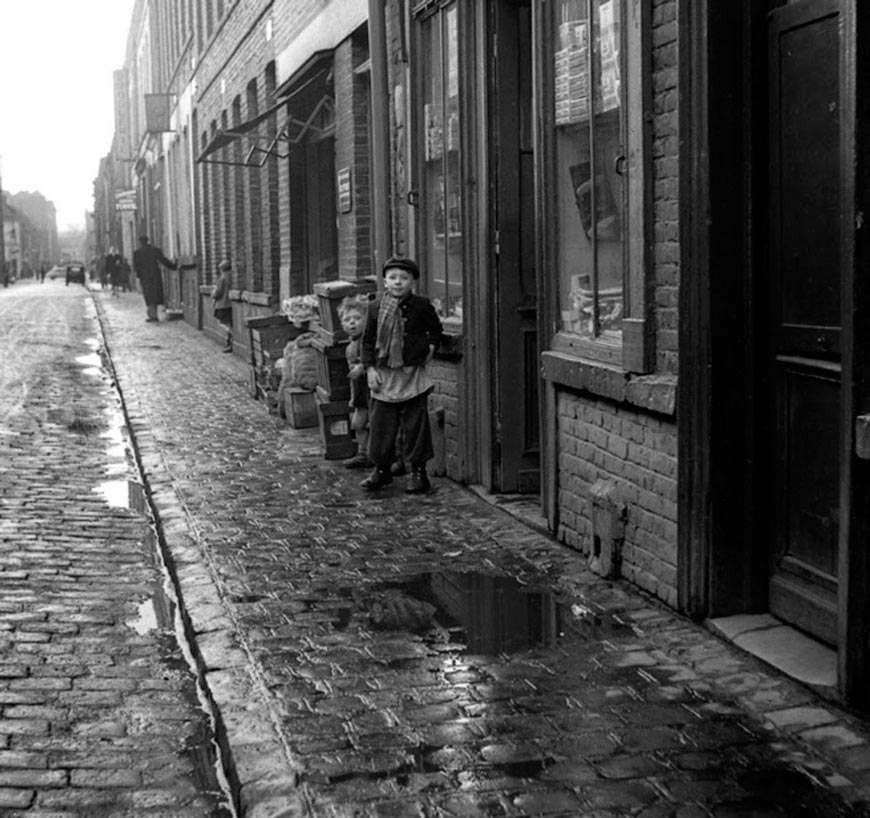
332,368
300,408
331,293
267,336
335,433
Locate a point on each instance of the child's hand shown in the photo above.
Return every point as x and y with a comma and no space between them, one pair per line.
374,380
431,353
355,371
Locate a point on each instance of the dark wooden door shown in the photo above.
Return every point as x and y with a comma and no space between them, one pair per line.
805,316
320,209
517,429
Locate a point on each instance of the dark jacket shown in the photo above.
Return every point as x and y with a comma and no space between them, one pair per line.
146,262
420,328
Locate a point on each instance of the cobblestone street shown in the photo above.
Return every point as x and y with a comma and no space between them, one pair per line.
99,709
369,656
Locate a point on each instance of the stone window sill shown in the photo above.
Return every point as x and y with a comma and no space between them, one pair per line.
653,393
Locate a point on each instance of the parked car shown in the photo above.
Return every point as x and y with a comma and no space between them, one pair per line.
75,272
58,271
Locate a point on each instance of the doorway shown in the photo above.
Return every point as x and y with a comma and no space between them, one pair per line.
515,374
802,352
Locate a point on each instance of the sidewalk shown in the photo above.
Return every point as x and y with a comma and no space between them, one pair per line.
407,656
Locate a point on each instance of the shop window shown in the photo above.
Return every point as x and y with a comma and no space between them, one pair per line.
595,193
440,182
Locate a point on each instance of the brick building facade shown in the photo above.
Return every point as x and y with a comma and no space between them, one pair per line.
562,171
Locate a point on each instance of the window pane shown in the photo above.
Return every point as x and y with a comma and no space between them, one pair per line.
442,204
589,197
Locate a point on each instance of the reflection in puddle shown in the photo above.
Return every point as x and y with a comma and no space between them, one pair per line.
93,364
146,620
487,614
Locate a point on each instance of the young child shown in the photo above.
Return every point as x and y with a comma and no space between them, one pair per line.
400,337
353,311
223,310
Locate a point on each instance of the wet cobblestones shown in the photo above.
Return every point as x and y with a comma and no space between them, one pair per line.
96,718
397,656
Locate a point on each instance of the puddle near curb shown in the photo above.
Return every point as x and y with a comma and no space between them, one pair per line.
146,620
91,364
161,615
487,614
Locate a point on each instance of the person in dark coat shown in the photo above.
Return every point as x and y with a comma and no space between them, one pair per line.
146,262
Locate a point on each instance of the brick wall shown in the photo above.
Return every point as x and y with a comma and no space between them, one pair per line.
665,147
445,397
352,151
638,452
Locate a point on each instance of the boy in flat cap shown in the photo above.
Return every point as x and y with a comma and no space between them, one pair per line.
401,335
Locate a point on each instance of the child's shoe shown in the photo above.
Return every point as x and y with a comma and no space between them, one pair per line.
419,481
358,461
379,478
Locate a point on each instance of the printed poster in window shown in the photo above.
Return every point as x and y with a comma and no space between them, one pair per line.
570,70
452,55
609,51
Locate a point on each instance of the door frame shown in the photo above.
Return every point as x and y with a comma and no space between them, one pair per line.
722,565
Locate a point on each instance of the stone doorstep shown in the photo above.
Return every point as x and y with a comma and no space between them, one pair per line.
791,652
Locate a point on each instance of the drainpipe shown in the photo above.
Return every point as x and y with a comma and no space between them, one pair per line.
381,184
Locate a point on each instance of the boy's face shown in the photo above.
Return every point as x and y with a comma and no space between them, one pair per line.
352,322
398,281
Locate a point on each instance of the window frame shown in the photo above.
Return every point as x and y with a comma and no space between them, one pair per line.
635,352
421,14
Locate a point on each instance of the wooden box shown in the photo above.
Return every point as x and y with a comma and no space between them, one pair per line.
335,433
332,368
267,336
331,293
300,408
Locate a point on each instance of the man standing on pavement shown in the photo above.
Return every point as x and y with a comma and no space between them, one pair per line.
146,262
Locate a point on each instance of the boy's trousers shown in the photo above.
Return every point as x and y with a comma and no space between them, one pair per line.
385,420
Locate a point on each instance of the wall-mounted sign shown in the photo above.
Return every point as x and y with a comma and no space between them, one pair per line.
345,195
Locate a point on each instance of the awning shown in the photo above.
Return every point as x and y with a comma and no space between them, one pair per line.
308,94
229,135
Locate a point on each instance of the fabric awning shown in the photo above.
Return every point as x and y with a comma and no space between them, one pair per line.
307,95
229,135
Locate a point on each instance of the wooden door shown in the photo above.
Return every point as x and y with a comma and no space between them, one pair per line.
320,209
805,316
517,429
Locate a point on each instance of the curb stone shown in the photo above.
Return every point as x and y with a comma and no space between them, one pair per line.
257,764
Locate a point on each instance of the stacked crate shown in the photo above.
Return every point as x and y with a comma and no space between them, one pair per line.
333,386
267,337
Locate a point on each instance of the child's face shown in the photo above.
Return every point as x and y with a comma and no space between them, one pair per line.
352,322
398,281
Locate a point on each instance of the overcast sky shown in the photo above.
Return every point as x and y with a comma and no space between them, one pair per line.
56,104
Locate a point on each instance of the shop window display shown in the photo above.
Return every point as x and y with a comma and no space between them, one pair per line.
588,119
441,194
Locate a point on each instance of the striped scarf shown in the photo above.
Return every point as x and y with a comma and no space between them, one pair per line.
389,338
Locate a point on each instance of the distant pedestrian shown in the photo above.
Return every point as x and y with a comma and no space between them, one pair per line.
146,262
400,337
223,309
353,311
42,271
112,266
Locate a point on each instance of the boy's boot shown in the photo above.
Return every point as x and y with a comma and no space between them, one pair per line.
379,478
418,483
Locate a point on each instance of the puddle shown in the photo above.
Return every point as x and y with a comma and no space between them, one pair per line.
146,620
487,614
91,364
122,493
